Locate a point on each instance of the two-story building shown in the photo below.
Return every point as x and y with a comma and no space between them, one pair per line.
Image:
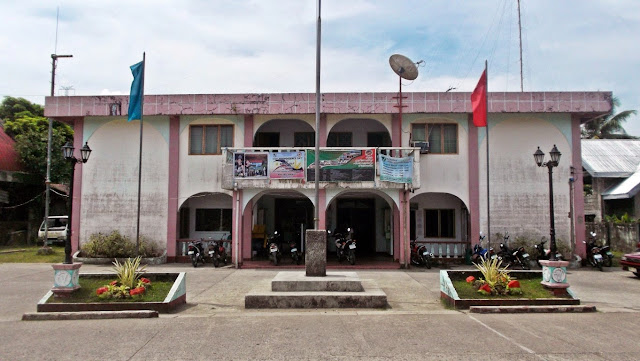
226,165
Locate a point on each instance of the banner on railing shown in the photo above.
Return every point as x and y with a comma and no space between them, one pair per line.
250,165
397,170
286,165
356,165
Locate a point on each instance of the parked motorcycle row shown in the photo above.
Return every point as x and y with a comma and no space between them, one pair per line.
275,253
345,245
216,253
510,257
598,255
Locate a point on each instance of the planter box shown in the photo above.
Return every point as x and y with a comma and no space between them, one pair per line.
91,260
449,295
177,296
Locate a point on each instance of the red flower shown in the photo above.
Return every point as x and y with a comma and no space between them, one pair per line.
137,291
485,289
145,280
102,290
113,283
513,284
470,279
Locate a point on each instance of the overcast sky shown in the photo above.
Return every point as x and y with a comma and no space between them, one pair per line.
244,46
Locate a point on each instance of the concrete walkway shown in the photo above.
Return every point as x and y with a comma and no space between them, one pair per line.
215,325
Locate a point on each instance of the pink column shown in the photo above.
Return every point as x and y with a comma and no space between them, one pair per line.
397,225
322,211
245,241
78,129
248,130
174,165
578,194
235,234
474,182
323,133
396,130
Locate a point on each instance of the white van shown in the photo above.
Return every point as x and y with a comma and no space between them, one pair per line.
58,226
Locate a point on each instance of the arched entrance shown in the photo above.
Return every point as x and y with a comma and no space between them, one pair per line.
284,133
352,133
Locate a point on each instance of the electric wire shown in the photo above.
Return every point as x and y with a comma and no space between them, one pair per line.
22,204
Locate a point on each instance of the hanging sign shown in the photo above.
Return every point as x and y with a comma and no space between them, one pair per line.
397,170
355,165
286,165
250,165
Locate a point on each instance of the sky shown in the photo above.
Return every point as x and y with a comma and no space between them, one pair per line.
264,46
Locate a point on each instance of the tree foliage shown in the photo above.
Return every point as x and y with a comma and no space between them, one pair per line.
608,126
26,125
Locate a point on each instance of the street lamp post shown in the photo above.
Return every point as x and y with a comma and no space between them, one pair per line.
66,274
67,152
554,271
555,159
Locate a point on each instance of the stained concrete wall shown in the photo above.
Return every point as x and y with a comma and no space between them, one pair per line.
110,178
519,189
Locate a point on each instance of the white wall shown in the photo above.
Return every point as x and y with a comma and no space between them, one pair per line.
110,178
438,201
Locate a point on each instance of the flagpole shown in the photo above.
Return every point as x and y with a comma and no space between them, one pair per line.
486,87
140,158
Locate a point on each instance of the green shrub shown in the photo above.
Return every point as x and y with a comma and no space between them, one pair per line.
115,245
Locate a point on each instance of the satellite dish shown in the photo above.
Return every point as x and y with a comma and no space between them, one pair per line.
403,66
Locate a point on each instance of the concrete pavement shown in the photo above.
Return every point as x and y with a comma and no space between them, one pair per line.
214,324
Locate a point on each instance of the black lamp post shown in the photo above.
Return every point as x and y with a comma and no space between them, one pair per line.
67,152
555,158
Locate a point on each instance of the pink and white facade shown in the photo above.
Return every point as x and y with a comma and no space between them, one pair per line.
189,190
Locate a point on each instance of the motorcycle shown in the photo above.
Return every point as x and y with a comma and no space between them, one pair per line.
511,257
480,252
420,256
217,253
594,256
345,247
274,248
296,256
544,254
195,250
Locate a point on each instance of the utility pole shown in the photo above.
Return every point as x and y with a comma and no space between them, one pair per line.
54,63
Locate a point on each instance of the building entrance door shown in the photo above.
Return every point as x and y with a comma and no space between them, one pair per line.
359,214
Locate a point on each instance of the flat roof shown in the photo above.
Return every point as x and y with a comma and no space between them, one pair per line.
587,103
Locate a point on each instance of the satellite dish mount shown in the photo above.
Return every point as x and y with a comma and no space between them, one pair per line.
406,69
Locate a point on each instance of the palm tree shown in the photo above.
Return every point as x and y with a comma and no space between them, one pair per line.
609,125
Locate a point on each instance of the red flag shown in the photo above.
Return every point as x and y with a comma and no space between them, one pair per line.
479,101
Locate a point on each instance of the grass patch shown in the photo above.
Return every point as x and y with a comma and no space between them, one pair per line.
30,255
87,293
531,289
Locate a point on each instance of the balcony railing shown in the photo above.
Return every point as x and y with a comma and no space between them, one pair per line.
294,168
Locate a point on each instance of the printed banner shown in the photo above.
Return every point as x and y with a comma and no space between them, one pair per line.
356,165
286,165
250,165
397,170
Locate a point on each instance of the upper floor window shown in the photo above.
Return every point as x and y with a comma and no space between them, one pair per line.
339,139
210,139
439,223
442,138
304,139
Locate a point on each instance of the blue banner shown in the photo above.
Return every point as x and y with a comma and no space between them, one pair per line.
397,170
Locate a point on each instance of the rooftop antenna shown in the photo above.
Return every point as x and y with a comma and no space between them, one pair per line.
66,90
520,33
406,69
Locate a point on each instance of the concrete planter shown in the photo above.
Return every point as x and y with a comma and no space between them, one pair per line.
449,295
177,296
77,257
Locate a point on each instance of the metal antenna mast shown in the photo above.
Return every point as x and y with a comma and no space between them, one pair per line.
520,33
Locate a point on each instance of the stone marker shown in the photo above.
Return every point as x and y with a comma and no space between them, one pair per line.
316,253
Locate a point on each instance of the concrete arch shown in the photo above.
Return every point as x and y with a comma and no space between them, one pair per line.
436,200
391,196
203,194
252,195
359,137
285,127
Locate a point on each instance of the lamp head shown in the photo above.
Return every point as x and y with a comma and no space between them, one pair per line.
85,151
67,150
555,155
538,156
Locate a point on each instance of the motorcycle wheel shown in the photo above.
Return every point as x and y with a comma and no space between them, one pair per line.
352,257
608,262
525,264
427,262
298,259
194,261
600,266
216,263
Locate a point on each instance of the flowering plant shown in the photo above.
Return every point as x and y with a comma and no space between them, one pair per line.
496,279
470,279
130,282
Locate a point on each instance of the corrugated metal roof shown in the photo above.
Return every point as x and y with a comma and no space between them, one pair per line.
610,158
628,188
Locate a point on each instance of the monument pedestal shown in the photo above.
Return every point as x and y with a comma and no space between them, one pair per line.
65,279
554,276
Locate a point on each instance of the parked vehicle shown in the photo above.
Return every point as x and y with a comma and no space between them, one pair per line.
419,255
480,252
217,253
594,258
274,248
513,257
631,262
607,256
296,255
345,246
195,250
544,254
57,227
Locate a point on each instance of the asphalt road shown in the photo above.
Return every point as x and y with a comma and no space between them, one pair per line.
215,325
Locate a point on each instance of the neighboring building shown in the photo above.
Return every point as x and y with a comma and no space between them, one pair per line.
208,167
611,178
